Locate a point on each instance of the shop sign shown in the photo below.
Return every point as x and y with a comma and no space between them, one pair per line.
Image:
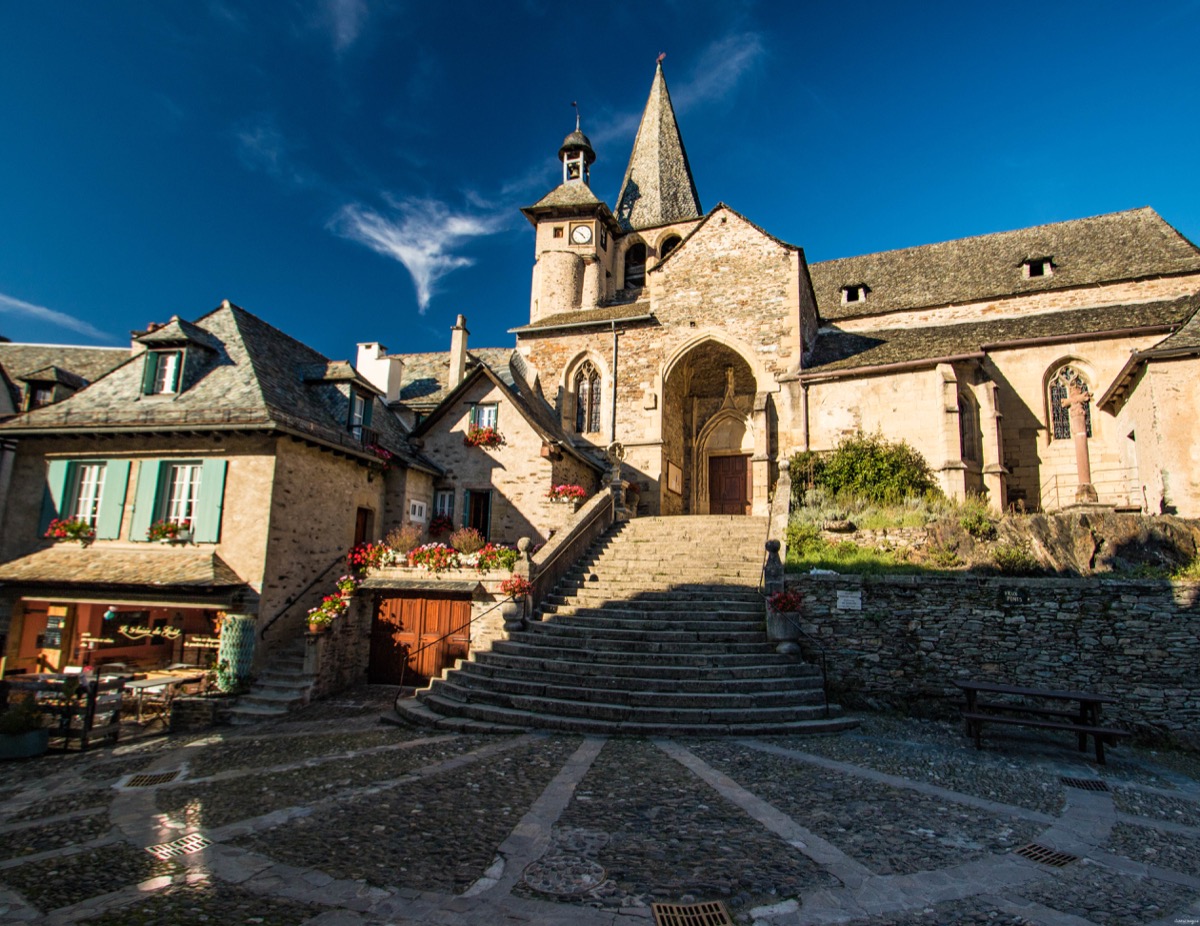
87,639
202,641
142,632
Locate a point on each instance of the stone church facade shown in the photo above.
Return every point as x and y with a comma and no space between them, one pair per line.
710,350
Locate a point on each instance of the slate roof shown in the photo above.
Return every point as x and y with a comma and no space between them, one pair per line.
168,567
658,187
1183,342
17,361
601,315
1101,249
254,377
838,351
423,383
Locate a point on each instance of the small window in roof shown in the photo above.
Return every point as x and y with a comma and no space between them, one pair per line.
1036,267
856,292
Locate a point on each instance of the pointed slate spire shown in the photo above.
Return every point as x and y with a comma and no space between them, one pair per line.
658,187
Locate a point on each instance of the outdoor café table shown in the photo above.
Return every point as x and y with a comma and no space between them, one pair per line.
165,686
1083,719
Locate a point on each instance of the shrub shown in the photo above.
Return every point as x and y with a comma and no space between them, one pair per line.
22,716
493,557
1015,559
786,600
803,539
467,540
434,556
805,469
874,468
975,518
404,538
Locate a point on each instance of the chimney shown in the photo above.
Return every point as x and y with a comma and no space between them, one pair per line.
458,352
380,370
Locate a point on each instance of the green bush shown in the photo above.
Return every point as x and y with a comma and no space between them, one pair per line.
865,465
975,518
1015,559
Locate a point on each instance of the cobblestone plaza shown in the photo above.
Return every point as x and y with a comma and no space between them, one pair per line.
330,817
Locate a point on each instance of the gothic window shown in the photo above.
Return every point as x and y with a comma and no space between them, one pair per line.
1060,390
587,398
668,246
635,267
968,428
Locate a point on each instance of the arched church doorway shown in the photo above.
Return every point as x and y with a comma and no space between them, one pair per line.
709,433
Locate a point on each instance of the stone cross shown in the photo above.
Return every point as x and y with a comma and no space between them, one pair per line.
1076,405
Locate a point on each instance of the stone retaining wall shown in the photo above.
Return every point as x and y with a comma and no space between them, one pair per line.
901,641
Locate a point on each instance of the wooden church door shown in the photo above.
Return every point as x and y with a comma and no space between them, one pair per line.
729,485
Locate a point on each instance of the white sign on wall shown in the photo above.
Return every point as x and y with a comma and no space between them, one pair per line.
849,601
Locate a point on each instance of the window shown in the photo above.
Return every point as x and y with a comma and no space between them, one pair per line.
359,421
89,485
161,373
603,238
38,395
183,488
856,292
443,502
635,267
1038,267
558,231
180,490
668,246
417,511
1060,390
484,416
968,428
587,398
91,490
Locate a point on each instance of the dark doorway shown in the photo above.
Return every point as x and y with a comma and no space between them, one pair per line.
479,511
362,525
729,484
414,639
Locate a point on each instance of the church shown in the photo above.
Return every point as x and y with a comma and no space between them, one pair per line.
1037,368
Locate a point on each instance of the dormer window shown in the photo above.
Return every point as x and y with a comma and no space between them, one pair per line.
161,373
38,395
1036,267
360,416
855,292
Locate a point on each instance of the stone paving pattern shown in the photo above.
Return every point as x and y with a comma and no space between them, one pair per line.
328,818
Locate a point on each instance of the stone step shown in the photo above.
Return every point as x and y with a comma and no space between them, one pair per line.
612,618
753,679
542,659
654,608
643,651
703,723
463,686
241,715
410,711
561,633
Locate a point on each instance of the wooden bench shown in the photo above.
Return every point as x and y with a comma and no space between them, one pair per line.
1083,721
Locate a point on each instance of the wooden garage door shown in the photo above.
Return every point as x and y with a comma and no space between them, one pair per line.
406,638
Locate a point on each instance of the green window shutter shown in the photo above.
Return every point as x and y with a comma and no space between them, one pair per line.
112,500
145,500
368,407
57,474
149,372
473,421
466,512
210,502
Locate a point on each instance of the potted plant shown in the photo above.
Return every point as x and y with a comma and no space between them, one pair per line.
488,438
441,524
330,609
783,619
567,493
166,531
516,587
347,586
66,529
22,734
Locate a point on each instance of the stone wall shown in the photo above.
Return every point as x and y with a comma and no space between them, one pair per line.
338,658
901,641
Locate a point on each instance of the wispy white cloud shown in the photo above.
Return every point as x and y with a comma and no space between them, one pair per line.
346,20
40,313
422,234
262,146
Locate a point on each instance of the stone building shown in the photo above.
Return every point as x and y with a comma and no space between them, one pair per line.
275,459
710,350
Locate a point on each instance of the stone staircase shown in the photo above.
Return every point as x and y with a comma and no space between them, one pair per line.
280,687
657,630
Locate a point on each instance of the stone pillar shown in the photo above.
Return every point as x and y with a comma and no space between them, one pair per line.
991,421
1076,404
760,462
773,570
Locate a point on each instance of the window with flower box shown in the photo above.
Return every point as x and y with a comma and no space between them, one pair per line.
191,491
92,491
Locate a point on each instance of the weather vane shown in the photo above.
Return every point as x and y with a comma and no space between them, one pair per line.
576,105
661,55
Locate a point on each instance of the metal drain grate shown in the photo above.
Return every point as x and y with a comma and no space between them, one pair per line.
185,845
709,913
1044,856
149,781
1085,784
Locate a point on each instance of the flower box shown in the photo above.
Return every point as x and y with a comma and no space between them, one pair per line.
487,438
71,529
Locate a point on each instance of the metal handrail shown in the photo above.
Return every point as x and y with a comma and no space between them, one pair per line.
262,634
442,639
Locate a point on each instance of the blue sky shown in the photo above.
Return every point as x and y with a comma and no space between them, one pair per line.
352,170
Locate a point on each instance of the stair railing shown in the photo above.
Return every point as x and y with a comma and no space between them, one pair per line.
443,638
292,599
815,644
553,561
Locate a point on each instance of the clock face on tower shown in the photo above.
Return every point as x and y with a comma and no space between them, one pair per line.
581,234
